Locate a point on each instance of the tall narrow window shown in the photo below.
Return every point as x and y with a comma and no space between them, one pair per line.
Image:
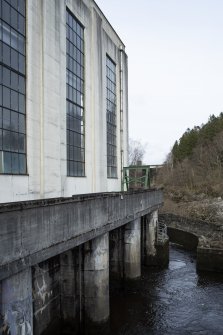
12,87
75,98
111,119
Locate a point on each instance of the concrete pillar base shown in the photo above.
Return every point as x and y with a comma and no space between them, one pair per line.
46,297
16,304
116,254
96,283
153,254
132,250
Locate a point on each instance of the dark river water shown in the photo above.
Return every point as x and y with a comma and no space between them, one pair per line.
172,301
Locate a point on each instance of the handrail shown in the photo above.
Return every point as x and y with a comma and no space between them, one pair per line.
136,177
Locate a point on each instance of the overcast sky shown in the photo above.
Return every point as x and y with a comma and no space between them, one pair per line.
175,51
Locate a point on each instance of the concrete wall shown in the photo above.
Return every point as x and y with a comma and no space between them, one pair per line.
210,259
33,232
184,238
16,304
46,103
46,296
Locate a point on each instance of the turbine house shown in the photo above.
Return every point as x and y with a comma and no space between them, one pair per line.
65,224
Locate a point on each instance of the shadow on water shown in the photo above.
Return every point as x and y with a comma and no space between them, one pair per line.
171,301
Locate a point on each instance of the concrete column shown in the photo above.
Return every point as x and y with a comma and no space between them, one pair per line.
116,253
71,289
96,281
149,238
16,309
132,249
46,296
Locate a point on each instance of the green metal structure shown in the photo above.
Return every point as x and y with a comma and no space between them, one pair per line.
136,177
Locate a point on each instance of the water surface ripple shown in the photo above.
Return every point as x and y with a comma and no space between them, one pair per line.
172,301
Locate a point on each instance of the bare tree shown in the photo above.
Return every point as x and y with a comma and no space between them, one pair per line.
136,151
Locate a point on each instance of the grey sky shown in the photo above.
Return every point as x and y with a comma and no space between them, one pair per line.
175,50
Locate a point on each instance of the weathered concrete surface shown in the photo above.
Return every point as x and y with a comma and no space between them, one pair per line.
32,232
46,296
184,238
96,281
16,312
210,259
162,250
116,253
132,249
207,237
71,289
154,253
149,227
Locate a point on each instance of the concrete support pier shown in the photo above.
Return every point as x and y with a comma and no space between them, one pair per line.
46,296
149,229
132,249
16,312
116,253
71,289
96,282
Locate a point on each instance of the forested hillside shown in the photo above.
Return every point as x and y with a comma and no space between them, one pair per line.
193,170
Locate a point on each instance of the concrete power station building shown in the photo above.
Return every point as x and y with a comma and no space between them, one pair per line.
65,225
63,107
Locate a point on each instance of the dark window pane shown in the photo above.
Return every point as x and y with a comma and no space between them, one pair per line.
6,97
14,121
22,85
14,100
6,119
22,143
7,162
22,164
14,145
21,123
6,76
14,39
6,140
21,24
21,44
15,163
14,18
14,81
14,59
21,8
6,11
21,103
21,64
6,54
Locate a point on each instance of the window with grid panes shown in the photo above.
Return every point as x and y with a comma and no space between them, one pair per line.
75,98
12,87
111,118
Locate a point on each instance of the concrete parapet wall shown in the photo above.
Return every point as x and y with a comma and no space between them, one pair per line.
32,232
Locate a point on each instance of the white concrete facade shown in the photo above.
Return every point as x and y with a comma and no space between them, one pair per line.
46,103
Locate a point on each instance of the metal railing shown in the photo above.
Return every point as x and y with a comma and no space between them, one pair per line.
136,177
